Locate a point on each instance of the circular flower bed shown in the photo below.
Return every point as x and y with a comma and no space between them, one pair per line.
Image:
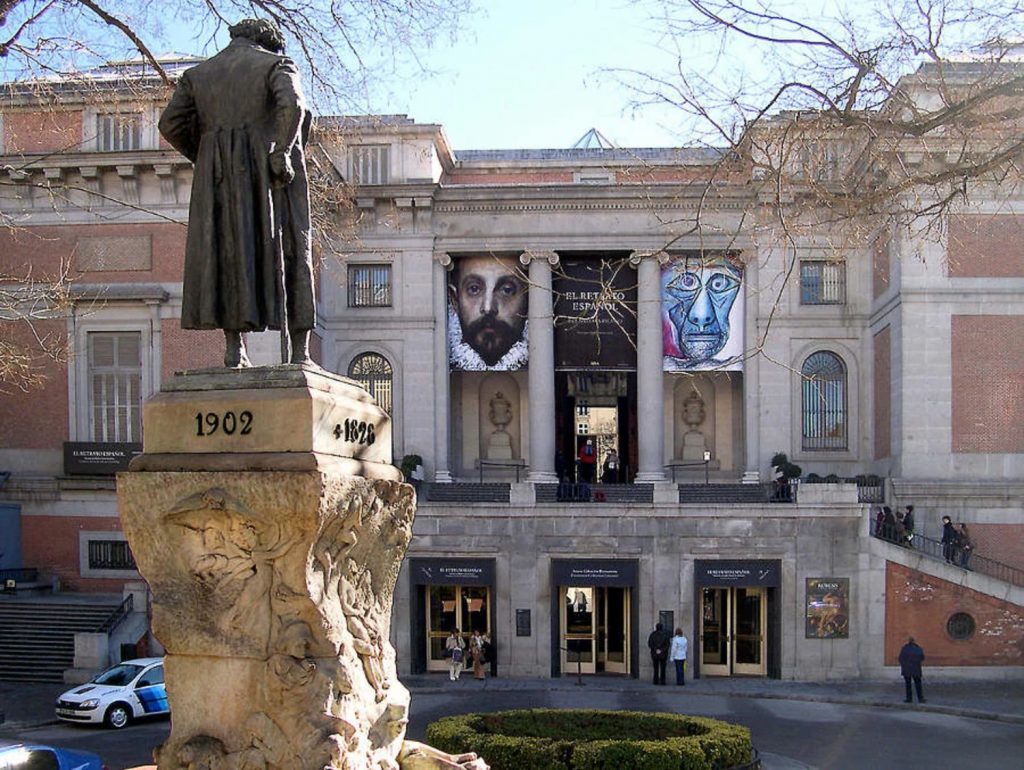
586,739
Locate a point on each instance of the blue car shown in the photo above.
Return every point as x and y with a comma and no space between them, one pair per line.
33,756
130,690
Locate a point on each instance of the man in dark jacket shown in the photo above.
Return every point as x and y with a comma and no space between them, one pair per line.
659,642
949,540
911,657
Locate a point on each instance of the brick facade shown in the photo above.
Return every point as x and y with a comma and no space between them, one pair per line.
920,605
986,246
987,363
53,541
37,419
1000,542
46,131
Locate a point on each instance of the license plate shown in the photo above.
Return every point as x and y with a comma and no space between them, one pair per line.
66,712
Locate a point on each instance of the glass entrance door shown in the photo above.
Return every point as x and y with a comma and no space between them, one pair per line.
715,633
749,624
579,637
614,629
733,631
467,608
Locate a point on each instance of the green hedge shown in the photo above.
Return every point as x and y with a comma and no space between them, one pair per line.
585,739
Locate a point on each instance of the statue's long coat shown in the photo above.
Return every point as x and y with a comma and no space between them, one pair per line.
226,116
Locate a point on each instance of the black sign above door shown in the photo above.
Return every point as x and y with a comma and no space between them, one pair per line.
593,572
595,312
452,572
737,572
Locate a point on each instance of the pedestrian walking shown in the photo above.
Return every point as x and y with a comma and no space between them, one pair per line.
490,652
908,525
911,657
949,540
658,643
677,654
454,648
965,544
889,524
476,654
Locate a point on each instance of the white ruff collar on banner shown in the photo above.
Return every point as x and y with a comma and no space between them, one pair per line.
461,356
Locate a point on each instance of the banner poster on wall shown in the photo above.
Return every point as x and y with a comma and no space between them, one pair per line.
487,309
828,608
702,313
595,312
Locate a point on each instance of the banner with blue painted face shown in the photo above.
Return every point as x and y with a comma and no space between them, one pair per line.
702,313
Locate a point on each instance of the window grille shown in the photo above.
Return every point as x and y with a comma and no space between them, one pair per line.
369,286
110,554
823,395
115,386
960,626
371,164
822,283
117,132
374,373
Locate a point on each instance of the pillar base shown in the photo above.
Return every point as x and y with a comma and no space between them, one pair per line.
542,477
443,477
649,477
751,477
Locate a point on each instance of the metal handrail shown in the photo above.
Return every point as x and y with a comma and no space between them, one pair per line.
939,550
517,464
118,615
697,464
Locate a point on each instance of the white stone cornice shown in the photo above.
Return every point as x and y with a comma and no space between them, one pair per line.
531,254
660,256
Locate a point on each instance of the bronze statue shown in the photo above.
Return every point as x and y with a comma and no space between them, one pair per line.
241,118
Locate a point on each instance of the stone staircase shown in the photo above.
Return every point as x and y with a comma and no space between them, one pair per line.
754,494
37,638
625,494
467,493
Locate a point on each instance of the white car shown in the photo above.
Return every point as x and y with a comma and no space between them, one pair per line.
129,690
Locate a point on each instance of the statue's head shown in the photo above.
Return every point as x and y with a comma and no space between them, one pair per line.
262,32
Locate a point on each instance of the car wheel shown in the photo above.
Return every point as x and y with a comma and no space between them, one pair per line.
118,716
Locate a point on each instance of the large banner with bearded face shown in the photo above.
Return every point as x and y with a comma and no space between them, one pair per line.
702,313
487,307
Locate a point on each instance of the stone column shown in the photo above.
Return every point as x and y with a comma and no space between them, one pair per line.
442,394
541,369
751,380
649,366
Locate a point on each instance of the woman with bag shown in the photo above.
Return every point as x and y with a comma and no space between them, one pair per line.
453,650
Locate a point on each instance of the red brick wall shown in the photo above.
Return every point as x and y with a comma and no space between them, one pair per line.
47,248
920,605
881,272
883,393
1001,542
189,348
986,246
51,542
46,131
988,383
37,419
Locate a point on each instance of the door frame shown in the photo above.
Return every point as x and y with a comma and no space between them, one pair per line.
611,667
433,664
750,669
570,666
725,630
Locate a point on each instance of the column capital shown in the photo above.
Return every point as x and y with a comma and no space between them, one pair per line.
659,255
444,259
531,254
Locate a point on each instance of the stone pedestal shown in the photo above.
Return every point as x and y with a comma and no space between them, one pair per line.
272,555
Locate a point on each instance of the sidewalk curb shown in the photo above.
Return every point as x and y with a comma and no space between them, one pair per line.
992,716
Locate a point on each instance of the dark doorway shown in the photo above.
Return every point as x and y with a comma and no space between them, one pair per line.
599,407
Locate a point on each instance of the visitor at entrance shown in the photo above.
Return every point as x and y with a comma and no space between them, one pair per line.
911,657
588,462
658,643
677,654
476,654
453,650
610,471
490,654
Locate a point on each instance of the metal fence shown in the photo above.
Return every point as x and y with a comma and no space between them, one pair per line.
952,554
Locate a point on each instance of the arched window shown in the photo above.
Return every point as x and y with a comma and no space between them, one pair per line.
373,372
823,402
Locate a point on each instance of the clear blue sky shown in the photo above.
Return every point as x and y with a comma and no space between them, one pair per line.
527,74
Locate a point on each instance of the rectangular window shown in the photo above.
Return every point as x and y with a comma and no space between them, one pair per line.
110,554
369,286
115,386
371,164
822,283
117,132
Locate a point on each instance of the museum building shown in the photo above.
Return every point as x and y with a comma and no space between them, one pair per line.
591,358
